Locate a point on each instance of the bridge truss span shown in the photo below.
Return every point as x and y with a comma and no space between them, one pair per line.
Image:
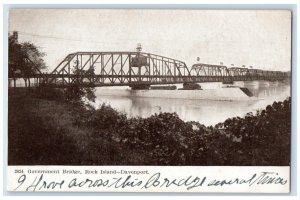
137,69
118,68
210,73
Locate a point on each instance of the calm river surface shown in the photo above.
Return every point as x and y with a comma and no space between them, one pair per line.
207,112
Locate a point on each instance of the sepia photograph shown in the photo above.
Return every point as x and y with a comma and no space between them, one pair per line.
149,87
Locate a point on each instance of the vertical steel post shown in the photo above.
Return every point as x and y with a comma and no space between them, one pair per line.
129,57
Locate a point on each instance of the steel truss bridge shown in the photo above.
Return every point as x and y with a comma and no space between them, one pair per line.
138,69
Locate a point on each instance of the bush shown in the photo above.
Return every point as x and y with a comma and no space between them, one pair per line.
74,93
264,137
106,117
49,93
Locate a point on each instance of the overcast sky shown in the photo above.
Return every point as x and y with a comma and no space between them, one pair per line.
258,38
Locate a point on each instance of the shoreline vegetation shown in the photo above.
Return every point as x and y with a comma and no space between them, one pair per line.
49,126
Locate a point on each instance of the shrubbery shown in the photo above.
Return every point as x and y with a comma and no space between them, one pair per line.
73,94
164,139
47,93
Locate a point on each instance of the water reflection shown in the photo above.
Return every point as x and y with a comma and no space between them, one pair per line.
205,111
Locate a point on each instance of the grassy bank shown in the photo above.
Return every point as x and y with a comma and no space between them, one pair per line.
51,127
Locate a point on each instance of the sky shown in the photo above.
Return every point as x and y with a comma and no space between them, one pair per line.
261,39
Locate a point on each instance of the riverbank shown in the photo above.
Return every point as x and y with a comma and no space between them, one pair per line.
46,127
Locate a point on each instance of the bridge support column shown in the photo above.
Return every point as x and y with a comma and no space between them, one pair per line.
139,86
228,82
191,86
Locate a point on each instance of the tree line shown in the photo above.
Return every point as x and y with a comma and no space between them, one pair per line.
24,60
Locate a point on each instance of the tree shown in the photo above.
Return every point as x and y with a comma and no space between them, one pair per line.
13,62
25,60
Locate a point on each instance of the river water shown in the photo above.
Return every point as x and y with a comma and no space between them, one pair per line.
207,112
